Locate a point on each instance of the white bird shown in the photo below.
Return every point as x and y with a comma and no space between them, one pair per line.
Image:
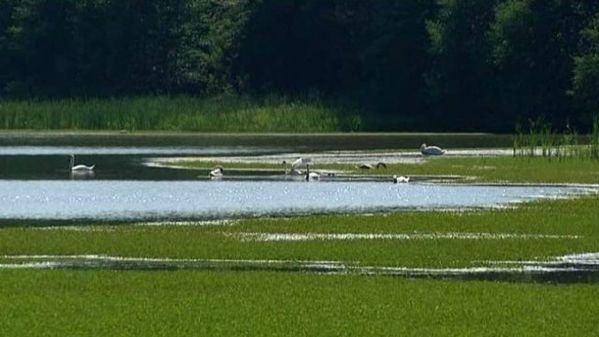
370,166
400,179
365,166
80,167
216,173
311,176
301,162
431,150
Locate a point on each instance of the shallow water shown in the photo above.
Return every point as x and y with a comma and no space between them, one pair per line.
579,268
180,200
36,183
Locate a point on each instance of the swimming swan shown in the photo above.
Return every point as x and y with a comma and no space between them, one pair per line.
400,179
300,162
80,167
311,176
216,173
370,166
431,150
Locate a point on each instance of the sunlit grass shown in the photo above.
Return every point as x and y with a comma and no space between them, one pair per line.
562,217
478,169
227,113
508,169
104,303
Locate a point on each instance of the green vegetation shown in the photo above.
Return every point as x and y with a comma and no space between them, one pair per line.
406,65
501,169
182,303
506,169
61,303
541,140
234,301
227,242
225,113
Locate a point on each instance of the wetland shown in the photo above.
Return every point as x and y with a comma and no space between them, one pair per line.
474,226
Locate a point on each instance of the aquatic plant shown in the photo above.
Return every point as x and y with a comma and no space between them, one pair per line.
541,140
594,143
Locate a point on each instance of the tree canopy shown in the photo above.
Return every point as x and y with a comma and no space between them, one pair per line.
447,65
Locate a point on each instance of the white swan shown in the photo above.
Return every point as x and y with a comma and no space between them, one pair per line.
431,150
216,173
370,166
80,167
311,176
300,162
400,179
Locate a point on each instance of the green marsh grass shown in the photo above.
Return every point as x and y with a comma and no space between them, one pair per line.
235,303
480,169
558,217
226,113
107,303
506,169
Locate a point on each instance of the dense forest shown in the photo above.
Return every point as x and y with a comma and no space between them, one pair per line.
448,65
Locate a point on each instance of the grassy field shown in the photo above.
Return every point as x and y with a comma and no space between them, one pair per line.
226,113
79,303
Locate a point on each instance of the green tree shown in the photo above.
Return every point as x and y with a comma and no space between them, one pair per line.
533,44
460,75
395,58
586,72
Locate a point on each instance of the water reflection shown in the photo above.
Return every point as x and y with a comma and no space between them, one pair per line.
82,175
136,150
180,200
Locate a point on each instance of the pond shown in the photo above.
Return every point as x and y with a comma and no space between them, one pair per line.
36,184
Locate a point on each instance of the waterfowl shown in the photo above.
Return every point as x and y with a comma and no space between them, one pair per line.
370,166
80,167
431,150
292,171
300,162
400,179
216,173
310,176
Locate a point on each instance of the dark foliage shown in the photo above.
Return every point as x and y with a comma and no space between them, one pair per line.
446,65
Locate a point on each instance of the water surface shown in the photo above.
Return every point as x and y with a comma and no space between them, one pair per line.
179,200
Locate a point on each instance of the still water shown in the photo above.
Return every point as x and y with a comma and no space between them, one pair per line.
169,200
36,184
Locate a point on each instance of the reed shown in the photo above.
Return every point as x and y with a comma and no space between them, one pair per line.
541,140
225,113
594,143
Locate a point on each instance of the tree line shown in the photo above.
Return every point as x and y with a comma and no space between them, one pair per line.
452,65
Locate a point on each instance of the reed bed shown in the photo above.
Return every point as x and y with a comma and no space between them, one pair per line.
227,113
541,140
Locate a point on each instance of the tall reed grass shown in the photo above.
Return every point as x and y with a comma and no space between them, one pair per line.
541,140
227,113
